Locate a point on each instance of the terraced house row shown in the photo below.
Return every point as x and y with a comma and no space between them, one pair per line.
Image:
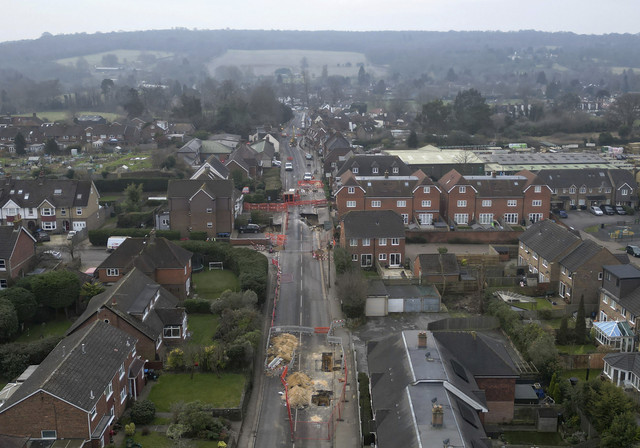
385,183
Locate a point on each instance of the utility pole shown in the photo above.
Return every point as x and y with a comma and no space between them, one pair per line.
329,258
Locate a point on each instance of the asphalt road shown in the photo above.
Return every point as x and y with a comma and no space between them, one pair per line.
301,302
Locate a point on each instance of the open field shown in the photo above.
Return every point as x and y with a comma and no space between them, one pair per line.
266,62
124,56
224,391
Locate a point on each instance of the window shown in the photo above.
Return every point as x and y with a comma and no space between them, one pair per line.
426,219
57,191
511,218
49,225
462,203
395,241
599,275
93,413
534,255
607,190
605,299
382,242
164,221
535,217
78,211
554,191
382,257
462,189
536,203
63,211
583,190
47,212
209,225
366,260
544,263
612,304
354,170
376,204
426,190
109,391
401,203
48,434
3,283
209,210
123,394
537,189
632,318
351,204
113,272
366,241
461,218
351,190
3,265
396,170
486,203
426,203
172,331
353,242
624,192
512,203
405,218
374,170
572,190
354,257
485,218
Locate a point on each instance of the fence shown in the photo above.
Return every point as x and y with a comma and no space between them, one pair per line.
281,206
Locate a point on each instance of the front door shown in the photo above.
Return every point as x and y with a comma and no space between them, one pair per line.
395,259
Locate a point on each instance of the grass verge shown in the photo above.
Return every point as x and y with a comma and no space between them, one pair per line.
224,391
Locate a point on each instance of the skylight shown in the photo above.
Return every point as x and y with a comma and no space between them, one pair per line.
57,191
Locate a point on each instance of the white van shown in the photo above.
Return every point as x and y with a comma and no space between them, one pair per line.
114,241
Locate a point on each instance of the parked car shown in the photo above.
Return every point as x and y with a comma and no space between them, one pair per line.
596,210
620,210
53,253
307,176
42,237
288,166
71,234
562,214
633,250
276,162
308,156
607,209
249,228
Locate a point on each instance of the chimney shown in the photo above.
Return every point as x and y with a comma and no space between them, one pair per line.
422,339
437,415
386,174
493,174
7,180
91,396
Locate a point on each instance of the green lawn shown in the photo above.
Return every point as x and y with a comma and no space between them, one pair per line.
533,438
581,374
210,284
202,327
159,440
34,332
576,349
223,391
539,304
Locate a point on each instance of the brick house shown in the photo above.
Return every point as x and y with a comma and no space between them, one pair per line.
158,258
542,246
209,206
17,253
54,205
79,391
619,300
373,237
581,273
580,188
143,309
483,199
415,198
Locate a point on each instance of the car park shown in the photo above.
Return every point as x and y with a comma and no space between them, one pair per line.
307,176
288,166
633,250
249,228
620,210
596,210
607,209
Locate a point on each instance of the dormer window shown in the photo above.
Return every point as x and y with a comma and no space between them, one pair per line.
57,191
351,190
426,190
354,170
462,189
537,189
374,170
12,191
19,191
79,196
26,195
396,170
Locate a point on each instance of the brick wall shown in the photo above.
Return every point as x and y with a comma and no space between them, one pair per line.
500,395
471,236
23,258
174,280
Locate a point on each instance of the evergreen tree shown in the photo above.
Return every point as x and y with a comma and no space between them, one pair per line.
562,335
20,144
412,141
581,328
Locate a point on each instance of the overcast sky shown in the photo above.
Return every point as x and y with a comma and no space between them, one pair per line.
29,19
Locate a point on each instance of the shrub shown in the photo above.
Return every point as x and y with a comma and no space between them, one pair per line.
118,185
135,219
175,360
201,306
143,412
198,236
130,429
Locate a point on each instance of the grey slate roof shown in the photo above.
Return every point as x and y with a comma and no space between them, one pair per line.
59,192
72,375
565,178
8,238
548,239
629,361
439,264
373,224
129,297
147,255
623,270
580,255
366,162
185,188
